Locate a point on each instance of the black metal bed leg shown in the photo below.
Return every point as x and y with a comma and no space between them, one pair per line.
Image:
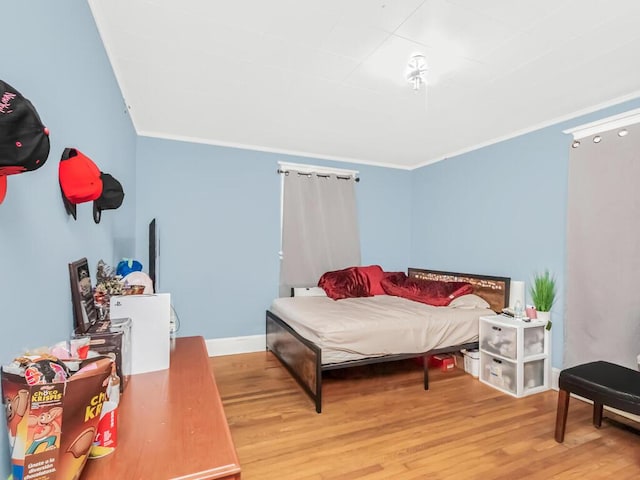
318,396
425,365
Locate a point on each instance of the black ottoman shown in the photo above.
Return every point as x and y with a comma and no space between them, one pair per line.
602,382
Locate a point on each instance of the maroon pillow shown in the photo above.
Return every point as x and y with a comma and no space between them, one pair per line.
374,274
346,283
394,284
390,274
432,292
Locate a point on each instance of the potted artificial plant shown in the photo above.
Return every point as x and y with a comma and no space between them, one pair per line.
543,295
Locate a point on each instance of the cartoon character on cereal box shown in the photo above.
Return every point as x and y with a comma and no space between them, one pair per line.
15,408
46,431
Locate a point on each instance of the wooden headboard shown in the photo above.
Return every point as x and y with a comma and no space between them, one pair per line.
495,290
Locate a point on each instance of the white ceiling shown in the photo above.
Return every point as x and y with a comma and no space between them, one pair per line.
325,78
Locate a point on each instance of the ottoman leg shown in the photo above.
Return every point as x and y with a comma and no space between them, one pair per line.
561,414
597,414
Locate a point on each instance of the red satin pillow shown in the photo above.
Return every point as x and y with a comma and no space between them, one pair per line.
346,283
374,274
431,292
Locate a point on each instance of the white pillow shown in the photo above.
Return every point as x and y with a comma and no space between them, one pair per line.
309,292
469,301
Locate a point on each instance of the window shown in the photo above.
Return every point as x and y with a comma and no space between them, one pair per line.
319,224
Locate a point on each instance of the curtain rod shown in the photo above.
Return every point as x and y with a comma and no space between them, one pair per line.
306,167
321,175
609,123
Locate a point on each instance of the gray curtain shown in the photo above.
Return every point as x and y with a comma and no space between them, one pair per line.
319,228
602,319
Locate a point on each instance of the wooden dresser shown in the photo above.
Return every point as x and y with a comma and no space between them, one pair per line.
171,425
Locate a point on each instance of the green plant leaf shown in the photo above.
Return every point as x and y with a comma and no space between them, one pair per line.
543,291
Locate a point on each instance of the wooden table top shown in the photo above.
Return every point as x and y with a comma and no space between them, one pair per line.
171,424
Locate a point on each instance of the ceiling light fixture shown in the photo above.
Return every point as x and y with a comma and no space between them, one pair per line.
575,144
416,73
597,139
623,133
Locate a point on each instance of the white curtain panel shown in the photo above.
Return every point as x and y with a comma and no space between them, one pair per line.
602,319
319,227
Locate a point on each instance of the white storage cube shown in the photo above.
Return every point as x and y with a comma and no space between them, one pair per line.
523,371
499,373
498,339
533,341
533,374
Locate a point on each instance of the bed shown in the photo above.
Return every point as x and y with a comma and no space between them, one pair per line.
314,334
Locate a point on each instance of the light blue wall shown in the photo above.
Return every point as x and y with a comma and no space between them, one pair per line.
51,52
218,215
500,210
497,210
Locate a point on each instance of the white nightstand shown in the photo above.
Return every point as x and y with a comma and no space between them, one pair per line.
514,355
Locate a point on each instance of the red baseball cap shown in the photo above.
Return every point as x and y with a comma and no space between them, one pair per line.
79,179
3,187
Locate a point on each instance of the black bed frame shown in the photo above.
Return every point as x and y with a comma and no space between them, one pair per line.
303,358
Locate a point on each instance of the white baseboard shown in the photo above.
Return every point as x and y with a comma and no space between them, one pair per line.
233,345
555,374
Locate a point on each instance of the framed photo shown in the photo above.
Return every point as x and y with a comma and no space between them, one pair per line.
84,310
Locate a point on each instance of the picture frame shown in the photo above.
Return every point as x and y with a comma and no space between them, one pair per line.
84,310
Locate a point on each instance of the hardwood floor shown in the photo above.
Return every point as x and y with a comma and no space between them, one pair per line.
378,423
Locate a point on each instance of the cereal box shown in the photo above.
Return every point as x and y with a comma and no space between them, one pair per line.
52,426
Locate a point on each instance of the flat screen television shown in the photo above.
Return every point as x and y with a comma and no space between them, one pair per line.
154,254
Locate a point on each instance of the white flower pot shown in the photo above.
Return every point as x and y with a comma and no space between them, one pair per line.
545,316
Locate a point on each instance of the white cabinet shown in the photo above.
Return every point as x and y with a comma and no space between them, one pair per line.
514,355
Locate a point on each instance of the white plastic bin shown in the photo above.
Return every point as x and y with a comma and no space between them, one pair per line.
499,373
472,362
